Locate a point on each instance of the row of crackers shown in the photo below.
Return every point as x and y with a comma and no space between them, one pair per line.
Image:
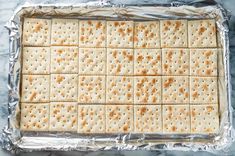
119,89
119,34
102,61
167,119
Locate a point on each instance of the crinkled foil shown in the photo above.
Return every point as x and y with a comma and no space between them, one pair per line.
14,140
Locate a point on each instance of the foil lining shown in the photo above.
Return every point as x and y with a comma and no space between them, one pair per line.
14,140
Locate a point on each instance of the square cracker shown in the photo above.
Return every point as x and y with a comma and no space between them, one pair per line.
63,116
119,118
147,118
175,89
36,32
34,117
173,33
92,33
64,60
147,35
64,32
91,119
92,61
119,89
202,33
36,60
204,119
203,90
91,89
175,61
63,87
120,34
176,119
35,88
203,62
147,90
120,62
147,62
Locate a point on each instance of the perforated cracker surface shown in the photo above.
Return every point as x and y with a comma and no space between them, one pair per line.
34,117
91,89
63,87
173,33
120,61
120,34
175,61
202,33
64,32
147,90
119,118
147,62
203,62
176,119
119,89
203,90
63,116
147,34
92,33
204,119
36,60
148,119
35,88
127,76
36,32
92,61
91,119
64,60
175,89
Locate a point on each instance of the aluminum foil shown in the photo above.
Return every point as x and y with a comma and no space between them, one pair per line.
14,140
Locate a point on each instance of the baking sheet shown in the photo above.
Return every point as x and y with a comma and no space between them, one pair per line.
15,140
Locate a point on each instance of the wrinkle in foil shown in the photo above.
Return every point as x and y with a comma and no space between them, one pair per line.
14,140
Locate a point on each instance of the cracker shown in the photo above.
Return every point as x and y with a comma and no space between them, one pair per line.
63,87
147,90
202,33
204,119
34,117
64,32
92,61
35,88
148,119
91,119
175,89
147,62
92,33
64,60
173,33
119,118
203,62
36,60
36,32
91,89
176,119
63,116
203,90
147,35
119,89
175,61
120,62
120,34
